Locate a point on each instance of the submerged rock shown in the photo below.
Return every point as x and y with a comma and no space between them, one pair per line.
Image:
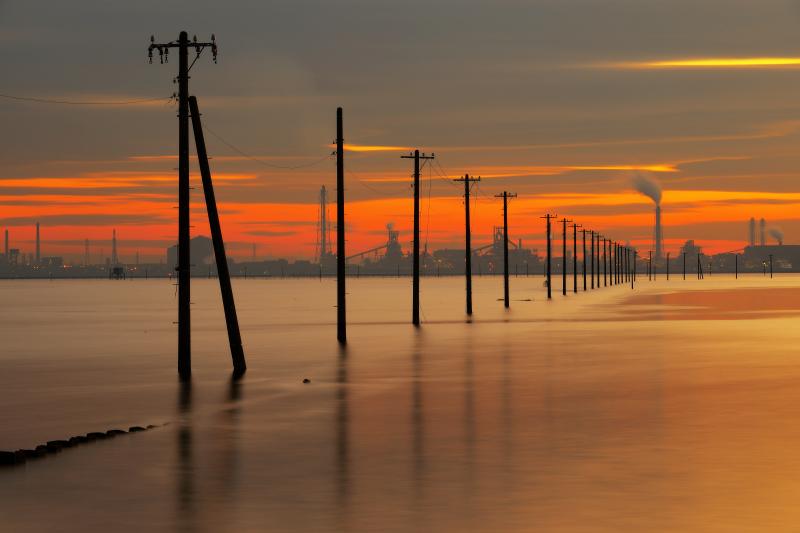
306,380
95,435
8,458
114,432
135,429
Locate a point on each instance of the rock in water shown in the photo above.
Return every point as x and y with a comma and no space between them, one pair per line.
7,458
134,429
306,380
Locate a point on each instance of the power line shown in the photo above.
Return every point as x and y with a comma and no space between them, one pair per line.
261,161
79,102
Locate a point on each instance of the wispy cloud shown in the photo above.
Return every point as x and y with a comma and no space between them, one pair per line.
705,63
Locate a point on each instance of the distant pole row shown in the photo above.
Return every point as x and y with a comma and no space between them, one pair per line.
618,261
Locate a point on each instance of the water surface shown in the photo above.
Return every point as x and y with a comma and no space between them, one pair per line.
673,407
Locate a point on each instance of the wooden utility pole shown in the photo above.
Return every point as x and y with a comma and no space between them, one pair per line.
736,259
770,266
549,217
667,266
606,246
598,259
229,306
564,257
415,283
505,196
684,265
591,234
583,231
633,276
468,247
184,236
341,256
575,257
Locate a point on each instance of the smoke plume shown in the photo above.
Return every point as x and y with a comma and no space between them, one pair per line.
648,187
776,234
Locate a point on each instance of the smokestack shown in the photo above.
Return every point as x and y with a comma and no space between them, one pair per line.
651,188
752,231
762,232
659,238
114,258
38,242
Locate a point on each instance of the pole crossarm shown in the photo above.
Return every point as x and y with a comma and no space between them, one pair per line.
163,48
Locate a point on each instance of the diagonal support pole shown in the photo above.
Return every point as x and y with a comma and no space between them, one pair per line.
231,321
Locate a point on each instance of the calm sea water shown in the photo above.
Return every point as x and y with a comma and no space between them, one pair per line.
674,407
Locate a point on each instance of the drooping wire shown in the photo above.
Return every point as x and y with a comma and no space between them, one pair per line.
78,102
261,161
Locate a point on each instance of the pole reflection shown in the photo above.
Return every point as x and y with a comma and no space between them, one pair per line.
342,439
186,481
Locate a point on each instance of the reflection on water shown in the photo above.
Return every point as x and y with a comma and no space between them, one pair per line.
569,417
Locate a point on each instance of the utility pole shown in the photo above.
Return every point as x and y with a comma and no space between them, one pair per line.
605,266
231,320
184,257
549,217
564,257
684,265
591,232
736,259
633,277
575,257
667,266
650,265
505,196
598,259
584,258
341,273
468,249
770,266
415,283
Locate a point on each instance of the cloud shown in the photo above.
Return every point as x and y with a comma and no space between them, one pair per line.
706,63
96,219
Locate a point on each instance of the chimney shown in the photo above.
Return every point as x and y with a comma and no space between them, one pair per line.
38,249
114,258
752,231
762,237
659,244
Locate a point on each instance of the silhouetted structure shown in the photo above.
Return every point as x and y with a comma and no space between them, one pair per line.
231,320
184,236
505,196
415,274
341,314
468,247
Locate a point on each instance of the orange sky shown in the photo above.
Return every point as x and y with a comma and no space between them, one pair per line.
563,103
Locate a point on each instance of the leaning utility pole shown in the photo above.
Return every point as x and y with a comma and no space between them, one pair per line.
549,255
468,249
564,257
184,257
231,320
505,196
415,283
575,257
341,274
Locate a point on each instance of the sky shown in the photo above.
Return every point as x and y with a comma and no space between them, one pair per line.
562,102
